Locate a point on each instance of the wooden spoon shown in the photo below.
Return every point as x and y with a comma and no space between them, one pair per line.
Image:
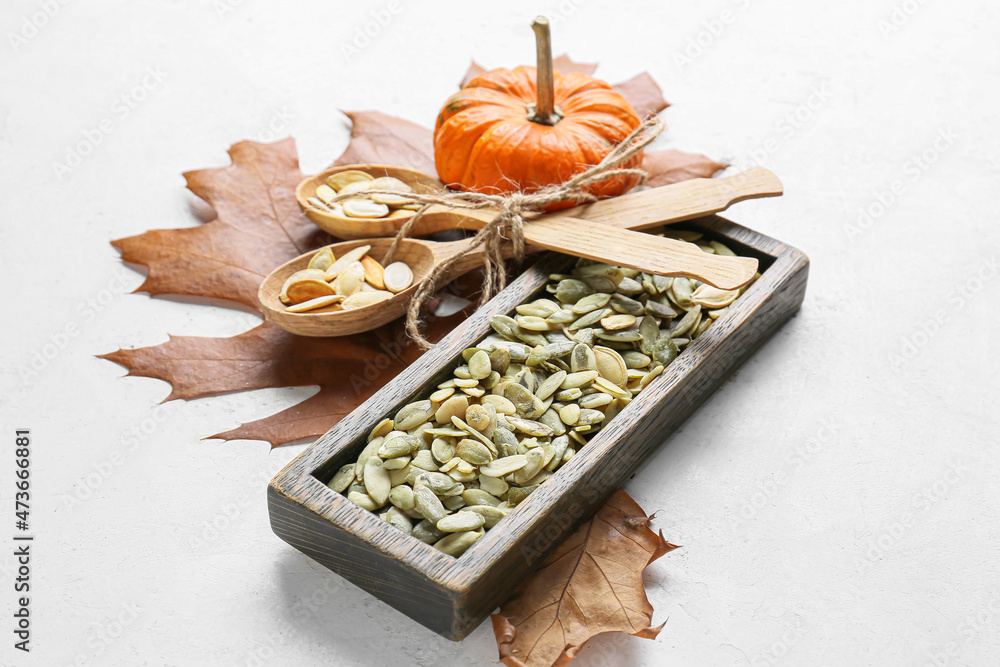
590,239
421,256
639,210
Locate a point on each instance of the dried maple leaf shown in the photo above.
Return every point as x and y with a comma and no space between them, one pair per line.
671,166
381,139
258,227
563,64
663,167
590,584
644,94
348,370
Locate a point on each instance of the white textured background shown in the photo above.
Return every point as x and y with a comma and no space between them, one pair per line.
837,500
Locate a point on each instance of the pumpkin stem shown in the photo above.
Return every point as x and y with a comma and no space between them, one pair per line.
544,111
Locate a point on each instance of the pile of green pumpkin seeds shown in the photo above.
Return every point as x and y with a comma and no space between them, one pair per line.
447,468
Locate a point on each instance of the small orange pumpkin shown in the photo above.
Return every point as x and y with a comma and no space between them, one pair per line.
489,139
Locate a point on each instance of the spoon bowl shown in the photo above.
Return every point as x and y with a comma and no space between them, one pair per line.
420,256
346,227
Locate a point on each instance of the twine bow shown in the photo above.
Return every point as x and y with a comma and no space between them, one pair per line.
508,225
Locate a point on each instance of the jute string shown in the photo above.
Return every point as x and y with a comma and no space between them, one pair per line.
508,224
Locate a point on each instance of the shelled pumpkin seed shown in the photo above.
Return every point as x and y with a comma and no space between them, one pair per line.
353,280
550,377
375,206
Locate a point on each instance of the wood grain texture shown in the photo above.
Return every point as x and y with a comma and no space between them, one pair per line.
638,210
420,256
643,252
641,210
452,596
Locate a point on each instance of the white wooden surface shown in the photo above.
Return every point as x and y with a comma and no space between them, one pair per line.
837,500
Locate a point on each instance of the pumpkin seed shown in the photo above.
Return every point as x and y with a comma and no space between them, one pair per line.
570,414
397,277
517,495
579,378
539,308
491,515
650,376
503,466
617,322
623,304
414,415
427,503
502,404
493,485
500,360
590,303
624,336
590,318
457,544
453,407
344,261
721,249
427,532
550,384
342,179
572,290
322,260
561,317
477,417
389,183
522,411
660,310
479,365
377,480
307,289
397,519
315,304
474,452
525,403
363,299
363,500
680,292
687,323
532,323
401,496
665,350
630,287
342,479
474,497
712,297
610,365
461,521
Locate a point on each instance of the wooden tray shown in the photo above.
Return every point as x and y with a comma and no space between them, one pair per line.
452,596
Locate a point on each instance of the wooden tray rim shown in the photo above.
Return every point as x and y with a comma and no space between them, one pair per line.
458,574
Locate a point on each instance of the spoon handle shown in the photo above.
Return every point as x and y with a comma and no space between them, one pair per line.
643,252
679,201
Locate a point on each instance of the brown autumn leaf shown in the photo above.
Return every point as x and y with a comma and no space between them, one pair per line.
347,370
670,166
641,90
382,139
563,64
592,583
644,94
258,227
